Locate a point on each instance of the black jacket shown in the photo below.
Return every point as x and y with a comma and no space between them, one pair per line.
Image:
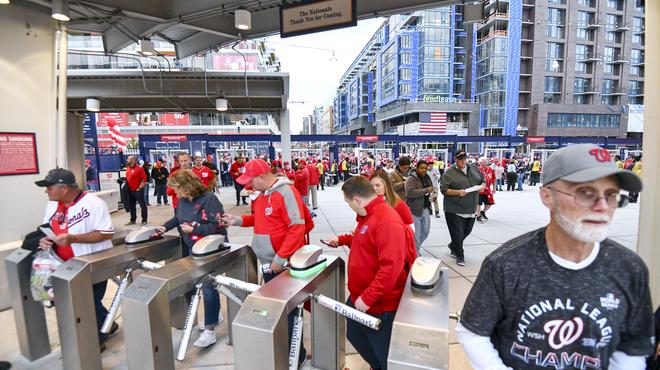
157,173
204,212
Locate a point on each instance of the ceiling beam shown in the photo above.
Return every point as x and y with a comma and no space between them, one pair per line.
117,37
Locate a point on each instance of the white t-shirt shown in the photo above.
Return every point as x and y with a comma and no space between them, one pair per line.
88,214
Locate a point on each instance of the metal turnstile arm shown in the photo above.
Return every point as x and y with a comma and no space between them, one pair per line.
296,339
347,311
190,320
116,300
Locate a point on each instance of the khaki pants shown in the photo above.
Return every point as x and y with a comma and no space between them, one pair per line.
312,193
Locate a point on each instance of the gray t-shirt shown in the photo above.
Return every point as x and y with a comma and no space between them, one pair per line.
540,315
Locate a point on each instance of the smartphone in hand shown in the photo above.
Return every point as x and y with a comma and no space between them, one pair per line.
328,244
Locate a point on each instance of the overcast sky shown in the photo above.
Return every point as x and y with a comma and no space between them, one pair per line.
314,78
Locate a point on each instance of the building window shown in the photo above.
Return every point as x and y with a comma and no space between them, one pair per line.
636,56
581,99
614,4
639,5
554,57
404,89
556,22
636,71
406,41
406,74
583,120
552,90
405,57
562,2
586,3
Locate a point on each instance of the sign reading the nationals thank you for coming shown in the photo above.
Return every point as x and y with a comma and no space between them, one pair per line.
315,16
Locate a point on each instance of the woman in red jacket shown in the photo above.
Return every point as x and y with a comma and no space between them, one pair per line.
301,181
382,185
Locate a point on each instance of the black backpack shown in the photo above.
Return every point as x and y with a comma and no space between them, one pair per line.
31,240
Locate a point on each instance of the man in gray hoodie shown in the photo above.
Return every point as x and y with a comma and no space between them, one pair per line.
419,188
460,205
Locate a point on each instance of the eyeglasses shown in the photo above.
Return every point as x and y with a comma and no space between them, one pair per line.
588,198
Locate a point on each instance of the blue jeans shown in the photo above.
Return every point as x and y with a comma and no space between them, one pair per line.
146,193
98,290
521,177
498,185
268,276
211,298
372,345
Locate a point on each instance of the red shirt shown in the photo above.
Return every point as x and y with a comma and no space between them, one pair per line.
171,192
236,170
404,211
205,174
59,224
380,248
314,174
301,181
134,176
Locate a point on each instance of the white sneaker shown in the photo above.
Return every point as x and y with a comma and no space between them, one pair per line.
220,319
205,339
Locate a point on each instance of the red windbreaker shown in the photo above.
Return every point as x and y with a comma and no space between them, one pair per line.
279,222
206,175
171,192
314,174
301,181
382,250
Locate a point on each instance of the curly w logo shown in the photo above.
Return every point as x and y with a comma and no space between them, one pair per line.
601,155
563,332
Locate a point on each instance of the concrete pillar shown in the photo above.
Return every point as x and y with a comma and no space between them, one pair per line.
63,42
649,232
285,132
75,150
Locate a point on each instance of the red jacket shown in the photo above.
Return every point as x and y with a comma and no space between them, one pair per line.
290,173
404,211
236,168
382,249
134,176
279,223
301,181
171,192
314,174
206,175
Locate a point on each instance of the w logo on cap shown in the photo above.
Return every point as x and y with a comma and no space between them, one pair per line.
601,155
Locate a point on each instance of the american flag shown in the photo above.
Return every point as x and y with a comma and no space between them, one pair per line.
433,122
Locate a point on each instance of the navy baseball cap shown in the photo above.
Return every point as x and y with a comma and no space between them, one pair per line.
584,163
460,154
57,176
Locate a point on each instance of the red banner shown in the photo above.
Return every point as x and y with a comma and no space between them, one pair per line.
535,139
120,118
173,119
18,154
366,139
173,138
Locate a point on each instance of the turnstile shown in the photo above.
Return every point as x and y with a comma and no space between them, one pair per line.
420,333
146,309
72,284
261,324
29,315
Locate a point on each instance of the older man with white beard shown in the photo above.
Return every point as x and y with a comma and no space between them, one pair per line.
564,296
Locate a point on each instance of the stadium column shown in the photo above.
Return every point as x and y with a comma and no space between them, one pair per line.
61,130
285,132
649,232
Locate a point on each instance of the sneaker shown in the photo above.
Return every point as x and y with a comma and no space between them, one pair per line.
129,223
158,205
460,261
437,215
452,254
205,339
113,328
144,223
483,214
220,319
480,219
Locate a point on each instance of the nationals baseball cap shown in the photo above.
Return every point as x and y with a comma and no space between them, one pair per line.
253,169
57,176
584,163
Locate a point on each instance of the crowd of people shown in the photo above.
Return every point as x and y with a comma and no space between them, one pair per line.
563,288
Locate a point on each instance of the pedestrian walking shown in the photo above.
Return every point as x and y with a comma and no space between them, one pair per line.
419,188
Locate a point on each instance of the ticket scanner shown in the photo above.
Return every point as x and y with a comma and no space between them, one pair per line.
29,315
146,302
420,333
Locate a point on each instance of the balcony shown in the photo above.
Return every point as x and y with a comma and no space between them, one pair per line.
594,26
526,41
637,63
492,34
497,16
621,28
588,58
618,60
587,91
528,22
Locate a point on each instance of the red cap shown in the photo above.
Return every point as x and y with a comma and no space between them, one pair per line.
253,169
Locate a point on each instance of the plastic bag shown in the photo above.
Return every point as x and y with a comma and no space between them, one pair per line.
43,265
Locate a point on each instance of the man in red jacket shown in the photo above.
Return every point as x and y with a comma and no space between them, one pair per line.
288,171
278,219
235,171
382,249
314,178
182,163
204,173
137,180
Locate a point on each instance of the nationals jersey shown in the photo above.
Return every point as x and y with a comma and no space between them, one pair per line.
86,214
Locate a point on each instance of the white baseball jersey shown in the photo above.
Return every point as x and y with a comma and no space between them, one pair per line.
88,214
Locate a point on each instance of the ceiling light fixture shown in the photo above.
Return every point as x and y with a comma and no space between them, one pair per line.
242,19
147,47
60,10
93,105
221,105
4,2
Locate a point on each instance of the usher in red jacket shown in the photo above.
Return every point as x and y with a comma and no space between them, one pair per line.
382,251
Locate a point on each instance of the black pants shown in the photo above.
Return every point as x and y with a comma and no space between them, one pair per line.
137,197
372,345
534,178
161,193
268,276
98,290
511,179
459,229
239,188
321,182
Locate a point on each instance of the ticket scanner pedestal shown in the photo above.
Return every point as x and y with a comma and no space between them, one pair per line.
146,303
74,302
261,323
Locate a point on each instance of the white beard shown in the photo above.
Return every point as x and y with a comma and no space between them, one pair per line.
577,230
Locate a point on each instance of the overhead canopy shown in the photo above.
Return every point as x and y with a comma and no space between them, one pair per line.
151,91
193,26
